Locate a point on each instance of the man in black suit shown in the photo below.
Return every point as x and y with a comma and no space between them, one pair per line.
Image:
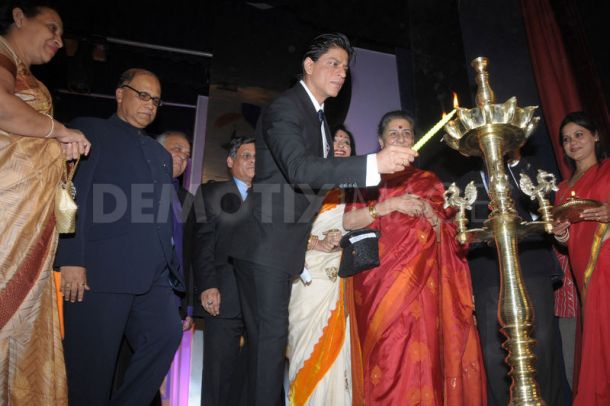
540,269
179,147
122,254
294,170
223,359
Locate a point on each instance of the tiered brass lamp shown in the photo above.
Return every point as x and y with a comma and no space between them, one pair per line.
491,131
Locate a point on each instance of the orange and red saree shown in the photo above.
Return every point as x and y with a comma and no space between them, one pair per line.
589,252
414,313
32,368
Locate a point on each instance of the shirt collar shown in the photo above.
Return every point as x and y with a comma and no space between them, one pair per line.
242,187
118,120
316,105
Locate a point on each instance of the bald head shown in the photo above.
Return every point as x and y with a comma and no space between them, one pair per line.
138,97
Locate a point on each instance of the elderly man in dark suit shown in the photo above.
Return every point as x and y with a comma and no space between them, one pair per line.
179,147
121,255
294,170
224,204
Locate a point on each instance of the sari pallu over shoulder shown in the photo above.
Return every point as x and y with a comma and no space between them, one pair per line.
422,293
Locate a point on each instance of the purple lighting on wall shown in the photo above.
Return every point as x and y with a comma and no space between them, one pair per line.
374,92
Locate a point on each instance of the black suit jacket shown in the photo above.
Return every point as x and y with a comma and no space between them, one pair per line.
535,251
214,230
124,223
291,180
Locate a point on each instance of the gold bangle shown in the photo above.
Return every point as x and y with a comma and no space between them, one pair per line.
52,125
373,211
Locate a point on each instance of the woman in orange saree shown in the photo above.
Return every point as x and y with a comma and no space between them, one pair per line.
31,356
414,313
589,254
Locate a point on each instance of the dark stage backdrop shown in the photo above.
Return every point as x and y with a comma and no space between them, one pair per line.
496,30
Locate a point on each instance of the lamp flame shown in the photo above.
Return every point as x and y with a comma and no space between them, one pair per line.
455,101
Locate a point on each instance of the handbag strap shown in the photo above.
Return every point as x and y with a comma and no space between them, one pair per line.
70,175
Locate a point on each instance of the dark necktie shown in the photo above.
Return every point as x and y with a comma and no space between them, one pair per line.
322,119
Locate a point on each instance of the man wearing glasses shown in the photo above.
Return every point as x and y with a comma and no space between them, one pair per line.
119,270
224,206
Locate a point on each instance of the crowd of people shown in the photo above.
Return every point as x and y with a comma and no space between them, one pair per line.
257,256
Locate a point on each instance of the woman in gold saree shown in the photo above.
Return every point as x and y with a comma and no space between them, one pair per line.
33,149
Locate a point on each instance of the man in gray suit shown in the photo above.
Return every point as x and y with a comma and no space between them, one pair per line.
223,205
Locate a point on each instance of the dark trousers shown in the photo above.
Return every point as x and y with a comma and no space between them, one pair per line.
125,354
224,362
550,371
264,293
94,330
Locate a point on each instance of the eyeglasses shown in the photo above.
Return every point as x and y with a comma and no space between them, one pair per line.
246,156
186,154
144,96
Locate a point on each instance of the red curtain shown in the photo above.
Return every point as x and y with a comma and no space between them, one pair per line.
588,77
554,77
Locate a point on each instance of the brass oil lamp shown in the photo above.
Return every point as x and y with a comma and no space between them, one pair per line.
491,131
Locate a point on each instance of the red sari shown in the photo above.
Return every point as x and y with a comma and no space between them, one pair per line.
414,313
590,260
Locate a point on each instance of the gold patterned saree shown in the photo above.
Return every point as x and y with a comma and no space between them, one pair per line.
32,370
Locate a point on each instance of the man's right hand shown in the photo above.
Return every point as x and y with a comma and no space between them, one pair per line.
394,158
73,283
210,301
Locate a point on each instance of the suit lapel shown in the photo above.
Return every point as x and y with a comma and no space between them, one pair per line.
311,115
238,203
234,189
329,139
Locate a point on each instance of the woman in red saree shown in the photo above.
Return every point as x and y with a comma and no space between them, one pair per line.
589,253
414,313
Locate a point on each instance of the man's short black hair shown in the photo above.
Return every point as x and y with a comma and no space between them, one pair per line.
322,43
129,74
238,142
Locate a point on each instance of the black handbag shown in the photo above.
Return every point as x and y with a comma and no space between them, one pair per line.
360,252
